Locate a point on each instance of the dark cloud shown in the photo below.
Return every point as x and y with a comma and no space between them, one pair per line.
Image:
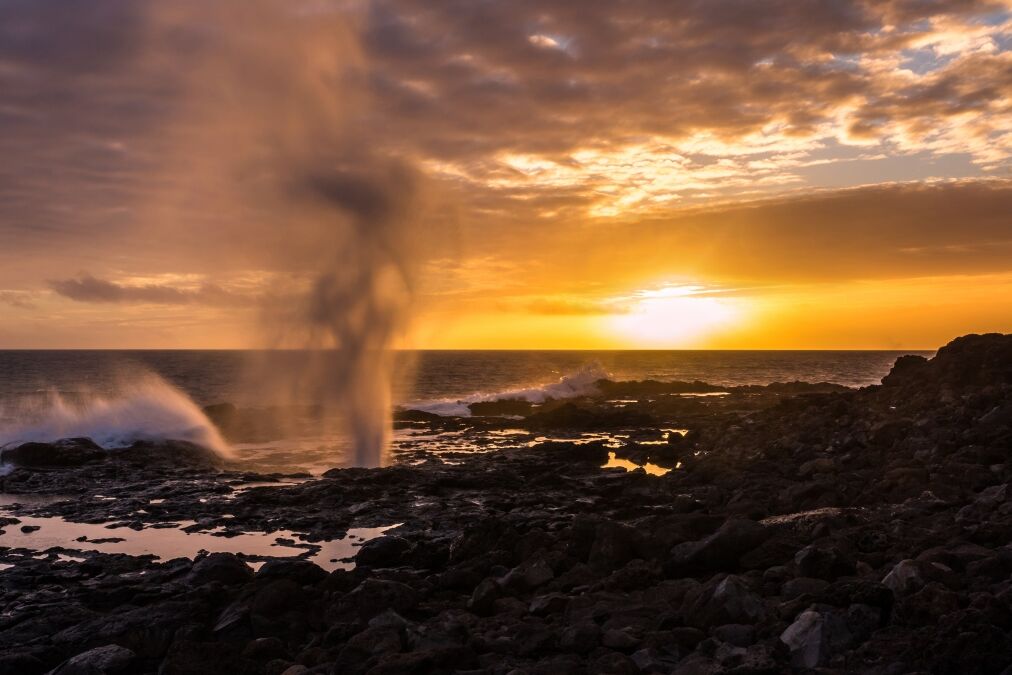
94,108
646,67
87,288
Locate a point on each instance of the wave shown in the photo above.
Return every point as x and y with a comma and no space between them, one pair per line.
582,382
147,408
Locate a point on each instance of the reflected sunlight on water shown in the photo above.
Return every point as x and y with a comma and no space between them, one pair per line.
652,469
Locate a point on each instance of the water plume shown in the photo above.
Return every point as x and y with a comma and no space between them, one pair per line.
264,163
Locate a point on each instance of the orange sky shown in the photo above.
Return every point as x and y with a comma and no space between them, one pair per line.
507,174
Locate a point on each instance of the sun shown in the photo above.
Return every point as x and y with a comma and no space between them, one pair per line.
675,316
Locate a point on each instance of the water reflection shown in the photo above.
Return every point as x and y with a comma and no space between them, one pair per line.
166,543
652,469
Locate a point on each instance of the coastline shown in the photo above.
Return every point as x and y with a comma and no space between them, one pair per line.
801,527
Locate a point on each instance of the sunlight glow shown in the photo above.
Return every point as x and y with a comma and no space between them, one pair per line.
675,316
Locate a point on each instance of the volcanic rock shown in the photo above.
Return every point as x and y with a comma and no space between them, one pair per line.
68,452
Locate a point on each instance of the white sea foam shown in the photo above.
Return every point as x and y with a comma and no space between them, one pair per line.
145,408
579,383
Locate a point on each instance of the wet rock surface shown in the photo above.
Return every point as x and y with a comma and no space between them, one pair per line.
806,528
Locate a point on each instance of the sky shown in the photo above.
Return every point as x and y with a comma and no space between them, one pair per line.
730,174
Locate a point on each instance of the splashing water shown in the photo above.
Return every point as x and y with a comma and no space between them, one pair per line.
582,382
148,408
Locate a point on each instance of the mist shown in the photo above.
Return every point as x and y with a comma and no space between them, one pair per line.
263,168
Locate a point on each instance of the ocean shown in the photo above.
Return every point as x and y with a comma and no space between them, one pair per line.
119,396
218,376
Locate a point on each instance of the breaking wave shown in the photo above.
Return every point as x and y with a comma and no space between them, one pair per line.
579,383
148,409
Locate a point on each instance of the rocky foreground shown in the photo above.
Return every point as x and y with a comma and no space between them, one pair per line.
802,529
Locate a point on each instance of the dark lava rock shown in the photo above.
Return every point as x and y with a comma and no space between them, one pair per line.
302,572
168,454
373,596
720,551
107,660
906,368
416,416
724,601
971,360
385,551
883,546
614,545
501,407
815,636
265,649
579,416
527,576
823,563
483,599
224,568
64,453
21,664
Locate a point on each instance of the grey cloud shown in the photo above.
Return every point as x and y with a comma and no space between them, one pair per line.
643,67
87,288
90,98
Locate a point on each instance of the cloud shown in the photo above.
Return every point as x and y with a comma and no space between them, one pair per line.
553,306
874,232
651,104
18,299
580,142
87,288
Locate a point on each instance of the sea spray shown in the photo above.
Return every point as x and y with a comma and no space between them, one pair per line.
581,382
146,407
265,146
255,171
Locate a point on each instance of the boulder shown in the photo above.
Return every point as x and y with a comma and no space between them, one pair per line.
823,563
737,634
107,660
168,454
614,545
728,601
373,596
906,368
224,568
814,637
68,452
802,586
905,577
386,551
265,649
580,638
621,640
720,551
528,576
484,596
552,603
302,572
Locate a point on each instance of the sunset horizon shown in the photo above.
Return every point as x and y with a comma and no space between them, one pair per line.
505,337
816,176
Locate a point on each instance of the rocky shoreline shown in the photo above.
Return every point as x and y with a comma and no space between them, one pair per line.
801,528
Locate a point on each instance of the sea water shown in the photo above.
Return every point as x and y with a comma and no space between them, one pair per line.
116,397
